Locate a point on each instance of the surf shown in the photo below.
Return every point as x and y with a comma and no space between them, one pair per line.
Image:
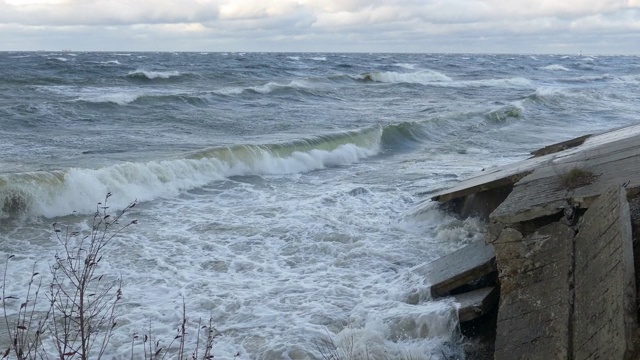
63,192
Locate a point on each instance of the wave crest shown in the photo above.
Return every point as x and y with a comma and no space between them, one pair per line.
420,77
61,193
152,75
554,67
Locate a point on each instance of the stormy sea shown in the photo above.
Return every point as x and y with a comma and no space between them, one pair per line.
284,196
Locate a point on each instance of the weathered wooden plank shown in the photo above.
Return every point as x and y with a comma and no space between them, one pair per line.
476,303
534,301
458,268
605,293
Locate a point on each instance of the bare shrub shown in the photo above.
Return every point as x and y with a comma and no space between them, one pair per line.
81,311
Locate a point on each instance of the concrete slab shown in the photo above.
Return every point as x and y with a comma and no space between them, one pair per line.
542,192
476,303
605,293
534,301
614,148
458,268
561,146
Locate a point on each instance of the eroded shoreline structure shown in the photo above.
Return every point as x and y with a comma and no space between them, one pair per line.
564,225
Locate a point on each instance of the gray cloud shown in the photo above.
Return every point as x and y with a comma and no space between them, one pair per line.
322,25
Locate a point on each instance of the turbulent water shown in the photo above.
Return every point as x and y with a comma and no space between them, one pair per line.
285,196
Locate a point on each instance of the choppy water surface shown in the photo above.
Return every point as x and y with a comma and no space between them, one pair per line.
282,195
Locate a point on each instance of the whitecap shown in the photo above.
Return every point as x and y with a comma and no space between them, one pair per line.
554,67
420,77
154,74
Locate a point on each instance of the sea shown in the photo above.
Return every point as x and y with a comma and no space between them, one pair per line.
283,196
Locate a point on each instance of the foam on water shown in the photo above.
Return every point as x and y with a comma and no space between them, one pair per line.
406,66
320,262
119,97
515,82
272,86
110,62
554,67
314,233
420,77
61,193
433,78
551,94
154,74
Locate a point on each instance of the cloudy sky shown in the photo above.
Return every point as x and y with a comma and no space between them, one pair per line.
463,26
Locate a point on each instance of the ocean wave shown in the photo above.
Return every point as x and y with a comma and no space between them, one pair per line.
265,88
115,98
632,79
319,58
59,193
588,79
516,82
131,96
272,86
405,66
554,94
554,67
421,77
151,75
504,113
110,62
434,78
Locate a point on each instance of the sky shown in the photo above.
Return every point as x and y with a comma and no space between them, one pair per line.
419,26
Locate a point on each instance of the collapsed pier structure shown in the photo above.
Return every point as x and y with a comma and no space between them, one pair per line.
561,257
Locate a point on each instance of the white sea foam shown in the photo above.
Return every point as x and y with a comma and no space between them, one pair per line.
321,261
116,95
154,74
271,86
406,66
148,181
294,58
110,62
434,78
319,58
554,67
631,79
229,91
420,77
516,82
551,92
120,98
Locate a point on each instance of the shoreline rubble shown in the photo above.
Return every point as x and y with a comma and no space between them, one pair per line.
563,242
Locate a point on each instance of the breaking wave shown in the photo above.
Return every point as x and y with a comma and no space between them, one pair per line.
557,96
554,67
434,78
152,75
420,77
266,88
58,193
110,62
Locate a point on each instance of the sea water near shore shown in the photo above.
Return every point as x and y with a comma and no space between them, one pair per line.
283,195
